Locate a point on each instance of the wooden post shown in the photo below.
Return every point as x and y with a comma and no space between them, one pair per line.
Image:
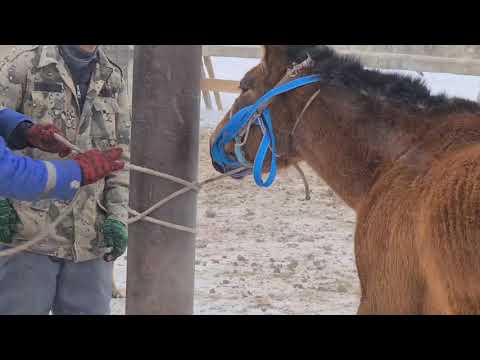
205,93
211,74
165,137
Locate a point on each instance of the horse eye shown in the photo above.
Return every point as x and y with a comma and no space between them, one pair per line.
245,85
242,87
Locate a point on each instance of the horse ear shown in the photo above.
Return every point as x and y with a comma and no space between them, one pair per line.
275,55
298,53
286,54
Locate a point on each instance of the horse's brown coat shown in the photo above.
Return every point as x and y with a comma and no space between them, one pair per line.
411,174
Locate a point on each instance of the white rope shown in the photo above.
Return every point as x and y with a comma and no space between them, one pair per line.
188,186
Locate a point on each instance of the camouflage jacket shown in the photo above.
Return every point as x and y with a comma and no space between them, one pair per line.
36,82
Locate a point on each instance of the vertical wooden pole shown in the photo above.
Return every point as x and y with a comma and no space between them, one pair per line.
165,137
205,93
211,75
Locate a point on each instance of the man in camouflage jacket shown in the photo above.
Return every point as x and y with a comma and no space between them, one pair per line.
79,90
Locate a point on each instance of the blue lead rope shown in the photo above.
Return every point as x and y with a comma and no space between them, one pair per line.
238,121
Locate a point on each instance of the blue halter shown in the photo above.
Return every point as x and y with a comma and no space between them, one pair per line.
232,130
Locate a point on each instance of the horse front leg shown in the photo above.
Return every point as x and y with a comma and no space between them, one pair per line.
364,309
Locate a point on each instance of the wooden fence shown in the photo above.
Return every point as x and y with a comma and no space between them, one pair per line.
453,59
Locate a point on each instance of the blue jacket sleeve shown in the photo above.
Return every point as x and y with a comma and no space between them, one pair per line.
25,179
9,120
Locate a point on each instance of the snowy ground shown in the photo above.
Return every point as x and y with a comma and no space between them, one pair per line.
269,251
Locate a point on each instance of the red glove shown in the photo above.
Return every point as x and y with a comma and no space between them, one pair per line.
96,164
42,137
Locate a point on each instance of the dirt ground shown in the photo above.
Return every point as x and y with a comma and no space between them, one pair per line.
270,251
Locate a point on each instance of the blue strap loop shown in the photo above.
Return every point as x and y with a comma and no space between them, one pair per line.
231,131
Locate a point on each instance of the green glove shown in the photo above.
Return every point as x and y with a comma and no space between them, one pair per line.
8,221
115,235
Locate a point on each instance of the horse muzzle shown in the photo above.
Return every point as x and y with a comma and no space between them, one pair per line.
240,175
237,176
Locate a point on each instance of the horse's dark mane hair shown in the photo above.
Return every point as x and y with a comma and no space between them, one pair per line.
348,72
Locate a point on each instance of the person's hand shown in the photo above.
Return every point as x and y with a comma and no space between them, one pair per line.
96,164
115,234
43,137
8,221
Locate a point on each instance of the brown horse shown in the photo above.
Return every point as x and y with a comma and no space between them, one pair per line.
407,162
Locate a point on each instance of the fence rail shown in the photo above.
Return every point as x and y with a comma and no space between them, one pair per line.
453,59
246,52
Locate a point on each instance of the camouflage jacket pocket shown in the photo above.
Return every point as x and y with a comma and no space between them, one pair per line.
33,218
104,119
48,103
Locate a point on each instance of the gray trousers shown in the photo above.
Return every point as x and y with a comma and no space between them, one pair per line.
32,284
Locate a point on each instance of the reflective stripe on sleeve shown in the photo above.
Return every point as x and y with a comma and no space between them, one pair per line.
51,177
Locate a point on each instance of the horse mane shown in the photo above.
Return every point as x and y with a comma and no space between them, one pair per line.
372,85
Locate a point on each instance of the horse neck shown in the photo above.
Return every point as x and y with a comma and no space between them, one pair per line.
349,144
